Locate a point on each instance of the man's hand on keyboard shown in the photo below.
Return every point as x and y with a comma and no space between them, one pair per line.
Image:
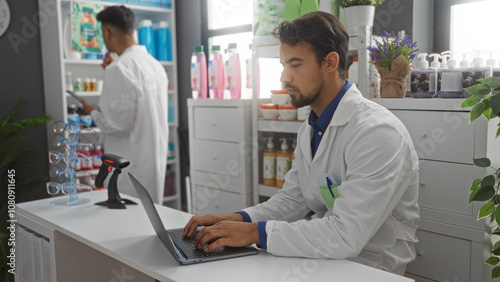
208,220
228,233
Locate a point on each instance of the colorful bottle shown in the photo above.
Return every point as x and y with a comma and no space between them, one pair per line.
163,42
216,74
283,163
308,6
146,36
198,73
269,164
291,10
233,72
249,74
96,157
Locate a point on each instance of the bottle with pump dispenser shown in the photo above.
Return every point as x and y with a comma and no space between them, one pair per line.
471,73
283,162
216,74
269,164
233,72
146,36
423,79
198,73
493,62
450,85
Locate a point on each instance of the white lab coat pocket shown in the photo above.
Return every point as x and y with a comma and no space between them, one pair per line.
328,189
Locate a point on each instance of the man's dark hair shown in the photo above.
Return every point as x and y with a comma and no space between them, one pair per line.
120,17
323,31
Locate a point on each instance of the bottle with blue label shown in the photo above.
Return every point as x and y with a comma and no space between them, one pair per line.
163,42
72,115
146,36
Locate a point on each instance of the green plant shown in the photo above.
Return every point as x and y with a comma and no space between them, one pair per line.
14,153
349,3
485,101
391,47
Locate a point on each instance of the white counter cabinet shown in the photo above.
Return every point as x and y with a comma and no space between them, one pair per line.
451,240
220,145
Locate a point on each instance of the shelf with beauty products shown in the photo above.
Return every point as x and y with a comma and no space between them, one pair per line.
60,70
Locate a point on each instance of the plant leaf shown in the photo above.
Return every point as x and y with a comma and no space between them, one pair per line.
482,194
493,82
479,89
471,101
495,104
475,184
482,162
496,232
489,180
487,113
495,273
476,111
492,260
497,216
487,210
498,133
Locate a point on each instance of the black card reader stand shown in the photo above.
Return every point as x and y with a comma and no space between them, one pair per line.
110,161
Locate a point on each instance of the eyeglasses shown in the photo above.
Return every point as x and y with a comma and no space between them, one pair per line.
53,188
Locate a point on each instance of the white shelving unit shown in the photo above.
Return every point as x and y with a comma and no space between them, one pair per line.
55,66
357,45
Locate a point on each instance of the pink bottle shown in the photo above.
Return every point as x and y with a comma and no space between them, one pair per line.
233,72
96,157
199,73
216,74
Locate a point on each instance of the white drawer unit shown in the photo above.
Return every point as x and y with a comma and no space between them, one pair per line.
220,143
451,243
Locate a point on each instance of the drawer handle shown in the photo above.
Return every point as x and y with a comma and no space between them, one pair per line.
420,253
214,123
424,135
422,183
216,205
214,157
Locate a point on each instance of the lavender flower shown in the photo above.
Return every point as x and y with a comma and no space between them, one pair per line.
392,47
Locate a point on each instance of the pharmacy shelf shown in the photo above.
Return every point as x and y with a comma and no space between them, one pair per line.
172,162
279,126
84,94
134,7
55,67
93,172
268,191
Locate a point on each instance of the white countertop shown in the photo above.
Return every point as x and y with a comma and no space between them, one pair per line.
128,236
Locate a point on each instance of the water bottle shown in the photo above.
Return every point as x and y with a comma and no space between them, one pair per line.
146,36
198,73
216,74
233,72
163,42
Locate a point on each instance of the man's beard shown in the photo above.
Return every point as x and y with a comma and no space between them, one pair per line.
298,100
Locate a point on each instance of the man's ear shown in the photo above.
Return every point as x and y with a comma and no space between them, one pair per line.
332,61
107,32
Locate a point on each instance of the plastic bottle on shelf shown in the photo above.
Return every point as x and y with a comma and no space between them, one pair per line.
477,70
78,86
146,36
308,6
294,146
198,73
374,82
283,162
493,62
171,150
451,78
423,79
171,109
96,157
72,115
269,164
435,64
87,159
233,72
249,73
353,71
216,74
291,10
163,42
69,81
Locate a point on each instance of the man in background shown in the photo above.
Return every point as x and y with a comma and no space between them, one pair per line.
133,104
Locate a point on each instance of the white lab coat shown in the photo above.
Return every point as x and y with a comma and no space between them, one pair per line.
134,119
369,153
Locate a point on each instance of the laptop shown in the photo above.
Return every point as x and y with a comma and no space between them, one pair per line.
181,248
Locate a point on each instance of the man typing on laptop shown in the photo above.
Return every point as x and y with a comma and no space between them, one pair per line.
355,168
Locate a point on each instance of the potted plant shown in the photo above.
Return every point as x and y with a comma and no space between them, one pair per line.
485,101
358,13
392,58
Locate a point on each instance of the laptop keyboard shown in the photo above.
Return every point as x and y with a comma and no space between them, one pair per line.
187,246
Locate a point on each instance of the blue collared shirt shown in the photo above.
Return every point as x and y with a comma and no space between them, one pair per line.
319,125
